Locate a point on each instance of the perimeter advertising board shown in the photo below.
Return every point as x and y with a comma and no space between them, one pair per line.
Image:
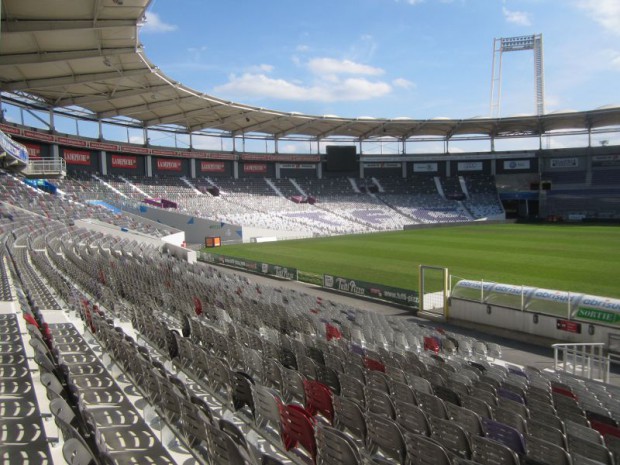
124,161
76,157
250,265
169,164
371,290
212,167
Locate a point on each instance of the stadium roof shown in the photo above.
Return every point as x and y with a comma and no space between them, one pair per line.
87,54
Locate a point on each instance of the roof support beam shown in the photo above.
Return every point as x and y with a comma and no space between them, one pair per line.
128,111
48,26
335,129
52,57
178,117
307,122
378,129
47,83
257,125
110,96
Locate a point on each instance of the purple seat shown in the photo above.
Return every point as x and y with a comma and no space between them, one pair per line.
518,372
357,349
506,394
504,434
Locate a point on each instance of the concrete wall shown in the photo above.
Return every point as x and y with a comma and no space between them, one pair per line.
181,253
250,232
196,229
117,231
524,322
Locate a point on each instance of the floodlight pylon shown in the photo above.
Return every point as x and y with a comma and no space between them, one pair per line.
517,44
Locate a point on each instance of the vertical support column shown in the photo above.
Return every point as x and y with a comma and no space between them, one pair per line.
192,168
539,76
496,78
361,169
278,165
319,170
149,166
52,125
55,152
236,169
103,162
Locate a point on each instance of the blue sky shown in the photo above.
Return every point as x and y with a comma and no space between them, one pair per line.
387,58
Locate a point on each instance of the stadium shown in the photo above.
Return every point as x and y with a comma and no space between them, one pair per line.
328,304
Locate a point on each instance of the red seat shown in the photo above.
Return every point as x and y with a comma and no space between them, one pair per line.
197,306
563,391
319,399
298,427
332,332
373,364
431,343
605,429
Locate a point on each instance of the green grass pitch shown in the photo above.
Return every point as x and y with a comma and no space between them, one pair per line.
573,258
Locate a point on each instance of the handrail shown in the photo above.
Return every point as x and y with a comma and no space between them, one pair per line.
583,359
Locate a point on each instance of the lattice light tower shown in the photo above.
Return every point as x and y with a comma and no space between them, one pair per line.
517,44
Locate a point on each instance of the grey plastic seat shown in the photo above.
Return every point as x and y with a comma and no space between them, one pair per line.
467,419
293,386
583,432
451,436
479,406
432,405
590,450
510,418
385,436
422,450
379,402
335,447
348,416
352,388
412,418
266,404
544,451
76,452
488,452
403,392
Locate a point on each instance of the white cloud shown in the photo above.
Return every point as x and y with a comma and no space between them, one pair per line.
332,66
604,12
263,68
289,148
153,23
520,18
302,48
251,85
403,83
136,139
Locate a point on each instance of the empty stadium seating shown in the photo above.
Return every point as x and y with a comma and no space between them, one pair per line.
132,371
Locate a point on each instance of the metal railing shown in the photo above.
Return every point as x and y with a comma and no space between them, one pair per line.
588,360
47,167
